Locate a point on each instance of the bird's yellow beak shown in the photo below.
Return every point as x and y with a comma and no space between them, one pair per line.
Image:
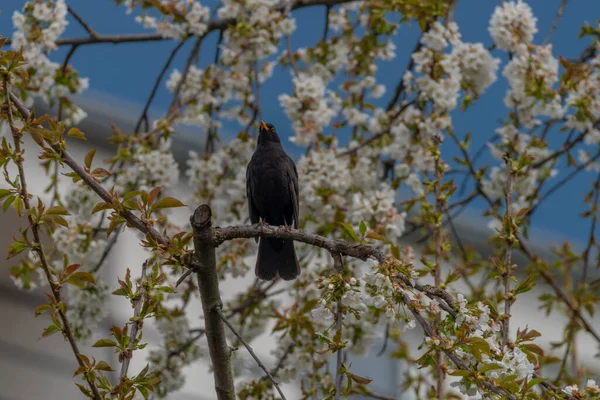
264,126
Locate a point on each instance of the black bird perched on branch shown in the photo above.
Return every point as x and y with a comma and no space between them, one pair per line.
272,189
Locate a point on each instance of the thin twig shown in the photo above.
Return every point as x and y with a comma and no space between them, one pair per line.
247,346
82,22
195,51
439,249
135,324
326,29
257,91
144,115
106,251
559,14
507,260
339,318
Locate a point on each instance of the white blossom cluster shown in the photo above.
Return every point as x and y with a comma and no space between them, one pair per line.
311,107
191,19
584,100
168,359
591,391
442,75
532,74
149,168
36,30
531,88
330,184
510,361
86,309
512,24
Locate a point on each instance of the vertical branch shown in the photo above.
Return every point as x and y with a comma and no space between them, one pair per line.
37,243
439,248
208,284
337,260
508,230
135,324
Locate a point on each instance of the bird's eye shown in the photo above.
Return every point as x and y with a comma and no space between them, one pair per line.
273,129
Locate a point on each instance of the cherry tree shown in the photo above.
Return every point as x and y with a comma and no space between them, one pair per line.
360,281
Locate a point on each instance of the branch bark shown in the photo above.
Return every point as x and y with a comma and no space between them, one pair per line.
208,284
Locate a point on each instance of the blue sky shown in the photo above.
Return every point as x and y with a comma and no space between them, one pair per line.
129,70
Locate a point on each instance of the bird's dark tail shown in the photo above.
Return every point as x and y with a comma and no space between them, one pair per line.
277,256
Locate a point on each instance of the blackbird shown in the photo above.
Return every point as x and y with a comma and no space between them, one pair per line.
272,189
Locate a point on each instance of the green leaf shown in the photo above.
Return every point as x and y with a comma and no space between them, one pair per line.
362,228
72,268
105,343
4,193
89,157
57,210
165,289
80,278
143,391
76,133
103,366
50,330
349,230
8,202
101,206
376,236
16,248
100,172
359,379
42,308
489,367
167,202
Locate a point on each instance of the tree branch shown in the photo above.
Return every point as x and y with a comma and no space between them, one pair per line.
212,26
208,284
92,183
37,243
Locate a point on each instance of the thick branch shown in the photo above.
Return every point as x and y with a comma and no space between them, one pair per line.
208,283
360,251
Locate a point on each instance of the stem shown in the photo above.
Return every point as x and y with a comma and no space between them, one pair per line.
439,248
339,318
135,324
37,243
507,261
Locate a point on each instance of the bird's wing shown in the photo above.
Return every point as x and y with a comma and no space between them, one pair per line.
294,194
251,209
